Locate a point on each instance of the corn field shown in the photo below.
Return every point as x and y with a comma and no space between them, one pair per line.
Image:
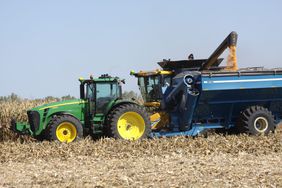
15,109
212,161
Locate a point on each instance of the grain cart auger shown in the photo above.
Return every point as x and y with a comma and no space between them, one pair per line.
100,111
190,96
229,42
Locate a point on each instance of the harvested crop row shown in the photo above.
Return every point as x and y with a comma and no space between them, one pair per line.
214,161
107,148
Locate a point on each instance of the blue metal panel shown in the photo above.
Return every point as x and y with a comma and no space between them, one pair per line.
222,97
220,92
241,82
216,104
196,129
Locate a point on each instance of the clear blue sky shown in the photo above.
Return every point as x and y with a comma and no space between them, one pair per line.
45,46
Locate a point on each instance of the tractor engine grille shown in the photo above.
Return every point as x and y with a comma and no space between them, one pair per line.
34,120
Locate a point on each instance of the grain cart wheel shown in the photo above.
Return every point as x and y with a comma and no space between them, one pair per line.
64,128
129,122
256,120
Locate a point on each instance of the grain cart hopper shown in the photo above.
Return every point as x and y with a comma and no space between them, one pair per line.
99,111
188,97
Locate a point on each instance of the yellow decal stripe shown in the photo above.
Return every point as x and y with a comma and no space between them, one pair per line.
156,72
54,106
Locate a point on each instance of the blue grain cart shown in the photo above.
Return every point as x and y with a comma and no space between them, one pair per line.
190,96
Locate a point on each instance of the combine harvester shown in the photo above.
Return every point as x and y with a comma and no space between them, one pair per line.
186,97
192,96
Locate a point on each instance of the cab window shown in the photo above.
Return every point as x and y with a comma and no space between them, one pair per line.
90,92
106,90
105,93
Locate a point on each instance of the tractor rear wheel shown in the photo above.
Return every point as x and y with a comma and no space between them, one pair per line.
256,120
129,122
64,128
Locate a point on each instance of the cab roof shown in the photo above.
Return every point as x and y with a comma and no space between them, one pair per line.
102,78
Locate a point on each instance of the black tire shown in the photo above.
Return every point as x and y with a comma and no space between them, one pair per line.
256,120
140,116
57,121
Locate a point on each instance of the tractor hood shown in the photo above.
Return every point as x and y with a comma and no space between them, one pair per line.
60,105
39,116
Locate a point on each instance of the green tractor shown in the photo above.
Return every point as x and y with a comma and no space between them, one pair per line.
100,111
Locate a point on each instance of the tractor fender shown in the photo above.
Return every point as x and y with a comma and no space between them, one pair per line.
58,114
118,103
122,102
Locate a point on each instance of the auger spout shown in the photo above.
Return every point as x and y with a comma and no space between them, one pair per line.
230,41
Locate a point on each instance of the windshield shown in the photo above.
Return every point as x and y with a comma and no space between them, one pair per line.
150,88
109,90
105,93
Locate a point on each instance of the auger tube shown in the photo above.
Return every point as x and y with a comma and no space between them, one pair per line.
230,40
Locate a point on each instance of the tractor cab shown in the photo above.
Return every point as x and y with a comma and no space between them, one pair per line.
100,92
152,85
107,113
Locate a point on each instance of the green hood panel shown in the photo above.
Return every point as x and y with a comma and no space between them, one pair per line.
60,104
75,108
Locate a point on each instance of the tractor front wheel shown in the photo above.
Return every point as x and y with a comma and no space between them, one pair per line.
129,122
64,128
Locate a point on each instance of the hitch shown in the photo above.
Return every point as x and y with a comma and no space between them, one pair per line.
20,127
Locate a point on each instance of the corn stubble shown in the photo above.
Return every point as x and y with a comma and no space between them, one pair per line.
215,161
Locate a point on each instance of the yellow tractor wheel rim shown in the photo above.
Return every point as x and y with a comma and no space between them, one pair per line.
66,132
131,126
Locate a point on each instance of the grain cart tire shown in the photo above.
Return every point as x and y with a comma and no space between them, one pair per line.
256,120
64,128
129,122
